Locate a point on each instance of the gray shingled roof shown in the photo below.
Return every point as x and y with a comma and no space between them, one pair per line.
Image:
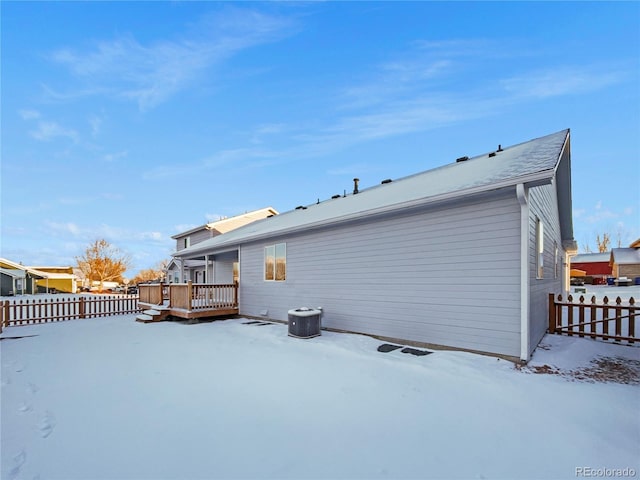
532,162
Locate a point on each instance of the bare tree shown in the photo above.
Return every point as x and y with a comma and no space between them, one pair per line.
604,242
103,262
156,273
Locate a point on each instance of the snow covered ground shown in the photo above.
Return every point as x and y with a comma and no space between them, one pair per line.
110,398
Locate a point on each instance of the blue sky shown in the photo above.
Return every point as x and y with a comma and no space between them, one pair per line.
134,121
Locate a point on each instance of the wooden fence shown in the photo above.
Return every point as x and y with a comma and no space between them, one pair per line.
604,320
58,309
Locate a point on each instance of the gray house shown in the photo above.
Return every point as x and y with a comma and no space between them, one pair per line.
461,256
203,270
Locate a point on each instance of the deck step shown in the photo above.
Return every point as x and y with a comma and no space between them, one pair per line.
152,312
144,318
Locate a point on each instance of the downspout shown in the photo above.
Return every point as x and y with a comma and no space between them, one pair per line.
206,269
523,200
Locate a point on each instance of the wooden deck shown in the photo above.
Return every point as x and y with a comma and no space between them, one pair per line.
189,300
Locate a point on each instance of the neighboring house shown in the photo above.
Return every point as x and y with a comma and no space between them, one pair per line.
17,279
62,279
462,256
203,270
625,262
594,265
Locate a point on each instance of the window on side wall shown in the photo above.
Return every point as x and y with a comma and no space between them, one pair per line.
275,262
539,249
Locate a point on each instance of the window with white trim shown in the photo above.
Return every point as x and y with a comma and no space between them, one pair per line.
275,262
539,249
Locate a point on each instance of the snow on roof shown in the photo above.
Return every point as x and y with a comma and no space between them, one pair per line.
227,224
625,256
530,162
13,272
591,258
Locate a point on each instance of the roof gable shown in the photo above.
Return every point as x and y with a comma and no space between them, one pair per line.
532,163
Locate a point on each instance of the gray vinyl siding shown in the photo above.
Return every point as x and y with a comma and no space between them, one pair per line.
543,204
223,267
447,276
194,238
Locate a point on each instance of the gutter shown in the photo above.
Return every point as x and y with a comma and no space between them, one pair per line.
522,193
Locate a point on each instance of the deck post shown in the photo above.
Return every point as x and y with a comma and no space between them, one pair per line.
235,293
189,294
552,313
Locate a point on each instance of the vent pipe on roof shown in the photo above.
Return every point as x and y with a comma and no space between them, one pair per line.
499,148
355,186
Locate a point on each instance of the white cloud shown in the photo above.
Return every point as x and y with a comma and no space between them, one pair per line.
149,74
47,131
95,123
567,80
63,228
29,114
112,157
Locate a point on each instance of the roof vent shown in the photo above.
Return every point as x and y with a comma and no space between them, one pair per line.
300,207
500,148
355,186
492,154
336,196
384,182
462,159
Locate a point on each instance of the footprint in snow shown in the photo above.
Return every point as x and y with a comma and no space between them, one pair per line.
47,424
25,407
18,461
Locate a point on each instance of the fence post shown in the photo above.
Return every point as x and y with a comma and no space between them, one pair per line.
618,311
632,319
570,316
594,314
581,317
190,293
605,318
6,313
235,294
552,313
81,308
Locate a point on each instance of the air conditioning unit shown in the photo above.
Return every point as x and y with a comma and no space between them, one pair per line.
305,322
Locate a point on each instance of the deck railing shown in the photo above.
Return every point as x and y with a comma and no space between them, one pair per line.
192,296
45,310
608,321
